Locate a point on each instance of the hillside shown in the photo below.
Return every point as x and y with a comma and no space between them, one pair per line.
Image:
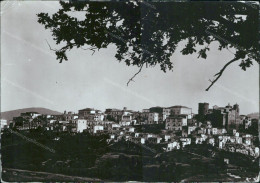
14,113
254,115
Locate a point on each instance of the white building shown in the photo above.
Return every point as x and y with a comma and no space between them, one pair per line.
125,123
98,128
173,145
81,124
3,123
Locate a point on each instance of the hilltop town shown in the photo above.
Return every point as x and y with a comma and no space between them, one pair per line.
222,127
217,133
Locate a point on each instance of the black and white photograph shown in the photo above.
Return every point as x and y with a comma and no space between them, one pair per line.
129,91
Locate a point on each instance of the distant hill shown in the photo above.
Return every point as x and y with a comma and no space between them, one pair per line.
15,113
254,115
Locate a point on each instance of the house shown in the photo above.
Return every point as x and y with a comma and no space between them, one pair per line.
30,114
130,129
221,145
208,131
211,141
3,123
247,141
126,117
185,141
153,118
181,110
81,124
232,139
113,126
112,136
173,145
69,116
246,121
191,129
98,128
155,140
163,112
147,135
243,151
138,140
256,151
201,130
167,138
117,114
175,123
124,123
214,131
239,140
184,132
91,114
146,110
198,140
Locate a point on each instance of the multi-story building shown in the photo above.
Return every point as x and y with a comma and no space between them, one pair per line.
81,124
203,111
225,117
114,114
176,122
153,118
163,112
91,114
181,110
31,115
70,116
245,121
86,112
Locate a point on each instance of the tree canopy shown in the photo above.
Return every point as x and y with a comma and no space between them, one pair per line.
146,34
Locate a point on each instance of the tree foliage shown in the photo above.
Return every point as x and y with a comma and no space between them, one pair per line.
148,33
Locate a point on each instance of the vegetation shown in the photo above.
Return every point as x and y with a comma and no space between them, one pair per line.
90,156
146,34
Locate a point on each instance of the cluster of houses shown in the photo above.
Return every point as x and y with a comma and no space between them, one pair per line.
181,126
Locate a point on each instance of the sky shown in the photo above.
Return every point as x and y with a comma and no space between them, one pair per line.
32,77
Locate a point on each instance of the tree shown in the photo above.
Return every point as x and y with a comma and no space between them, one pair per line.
148,33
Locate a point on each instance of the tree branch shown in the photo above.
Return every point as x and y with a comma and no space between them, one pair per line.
91,48
131,79
49,45
219,74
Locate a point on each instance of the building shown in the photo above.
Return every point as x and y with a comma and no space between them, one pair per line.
3,123
81,124
126,117
176,122
163,112
153,118
70,116
30,115
91,114
225,117
245,121
172,145
114,114
181,110
202,111
98,128
146,110
154,140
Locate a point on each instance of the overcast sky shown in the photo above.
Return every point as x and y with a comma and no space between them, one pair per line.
32,77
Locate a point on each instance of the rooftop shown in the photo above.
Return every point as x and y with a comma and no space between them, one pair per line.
179,106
